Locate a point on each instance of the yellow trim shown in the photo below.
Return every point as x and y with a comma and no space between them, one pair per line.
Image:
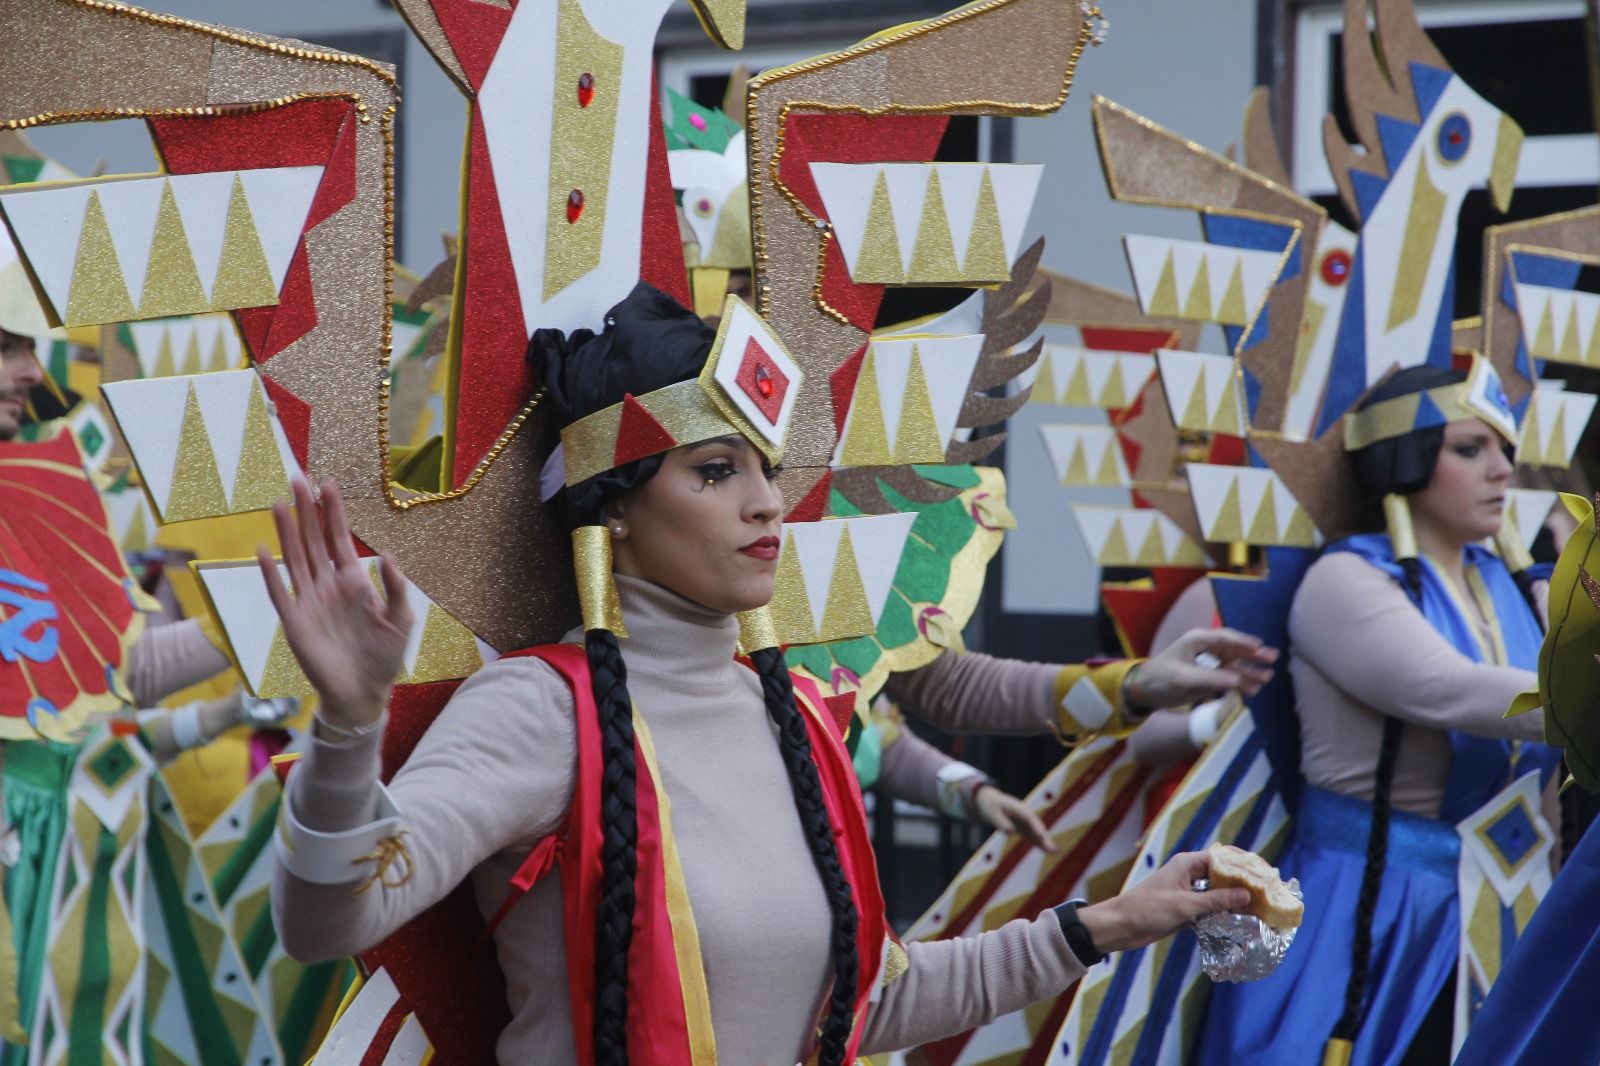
685,936
1482,603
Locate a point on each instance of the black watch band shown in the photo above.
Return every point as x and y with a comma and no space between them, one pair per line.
1077,934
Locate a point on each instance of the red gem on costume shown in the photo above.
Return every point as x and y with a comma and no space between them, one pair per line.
574,205
843,708
639,434
585,89
762,380
1336,267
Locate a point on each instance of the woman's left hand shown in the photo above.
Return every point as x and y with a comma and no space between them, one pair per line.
1174,677
1008,814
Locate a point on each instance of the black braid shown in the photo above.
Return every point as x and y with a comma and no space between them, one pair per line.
795,746
1355,989
1525,583
618,855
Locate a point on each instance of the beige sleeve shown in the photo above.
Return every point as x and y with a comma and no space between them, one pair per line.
1359,629
950,986
910,770
494,771
169,659
969,692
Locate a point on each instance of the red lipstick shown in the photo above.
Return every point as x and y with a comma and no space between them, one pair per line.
765,549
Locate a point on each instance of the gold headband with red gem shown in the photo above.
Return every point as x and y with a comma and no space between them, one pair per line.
749,387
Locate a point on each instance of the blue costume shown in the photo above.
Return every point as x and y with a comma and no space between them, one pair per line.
1288,1016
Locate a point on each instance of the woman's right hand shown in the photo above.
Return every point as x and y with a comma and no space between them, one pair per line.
1159,905
349,640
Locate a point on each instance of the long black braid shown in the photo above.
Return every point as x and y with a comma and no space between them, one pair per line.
795,747
1355,989
619,857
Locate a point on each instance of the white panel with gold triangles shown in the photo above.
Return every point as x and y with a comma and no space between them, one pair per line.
1085,455
1135,536
1526,510
1200,281
1202,391
1560,324
907,399
120,249
439,648
205,445
1248,504
834,576
195,344
1554,425
928,223
1082,377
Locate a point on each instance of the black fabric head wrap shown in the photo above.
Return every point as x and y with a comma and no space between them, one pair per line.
1402,464
650,341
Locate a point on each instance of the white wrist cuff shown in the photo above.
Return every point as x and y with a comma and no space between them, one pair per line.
334,858
186,732
1204,722
955,785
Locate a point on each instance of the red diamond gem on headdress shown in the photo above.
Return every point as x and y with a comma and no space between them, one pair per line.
639,434
762,380
585,89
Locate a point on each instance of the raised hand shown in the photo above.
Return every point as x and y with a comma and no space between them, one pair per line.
1159,905
1007,813
1203,664
349,640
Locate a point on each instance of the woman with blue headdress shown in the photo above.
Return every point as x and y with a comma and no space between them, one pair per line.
1406,648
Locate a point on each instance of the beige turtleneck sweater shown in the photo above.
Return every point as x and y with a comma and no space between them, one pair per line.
494,775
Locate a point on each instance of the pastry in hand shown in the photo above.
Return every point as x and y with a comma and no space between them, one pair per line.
1270,898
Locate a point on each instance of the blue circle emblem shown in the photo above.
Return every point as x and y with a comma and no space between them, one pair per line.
1455,137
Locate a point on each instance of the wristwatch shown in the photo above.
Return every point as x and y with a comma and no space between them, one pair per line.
1077,934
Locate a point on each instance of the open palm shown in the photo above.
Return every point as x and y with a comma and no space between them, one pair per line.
349,640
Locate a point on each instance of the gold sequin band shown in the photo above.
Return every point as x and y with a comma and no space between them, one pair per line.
597,589
1480,397
1397,520
597,443
757,631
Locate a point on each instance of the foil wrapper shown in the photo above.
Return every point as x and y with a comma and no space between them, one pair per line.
259,713
1240,947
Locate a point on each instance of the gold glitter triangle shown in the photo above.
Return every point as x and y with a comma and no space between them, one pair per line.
1194,412
847,613
1164,301
1591,354
448,650
1044,383
1113,395
1188,554
1544,339
1233,312
1528,447
986,247
791,605
1077,466
1416,249
1109,473
171,282
261,477
1569,337
879,261
243,277
1153,552
191,355
1198,305
1229,523
1264,527
98,292
1300,532
1556,453
933,257
166,366
1078,394
916,439
282,675
196,485
1115,550
137,538
1226,417
218,359
868,440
